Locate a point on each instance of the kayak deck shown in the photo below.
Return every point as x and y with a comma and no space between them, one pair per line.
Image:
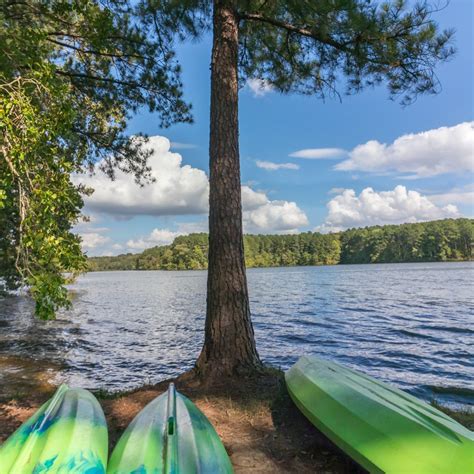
68,434
382,428
170,435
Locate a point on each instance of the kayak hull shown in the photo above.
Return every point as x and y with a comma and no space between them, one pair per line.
68,434
170,435
382,428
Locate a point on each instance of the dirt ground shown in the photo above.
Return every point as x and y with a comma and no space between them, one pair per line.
261,428
259,425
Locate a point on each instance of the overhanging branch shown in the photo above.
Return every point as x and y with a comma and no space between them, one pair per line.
296,29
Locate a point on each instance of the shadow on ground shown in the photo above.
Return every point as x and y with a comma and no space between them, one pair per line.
261,428
258,423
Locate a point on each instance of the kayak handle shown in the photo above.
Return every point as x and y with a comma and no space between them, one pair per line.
170,425
171,441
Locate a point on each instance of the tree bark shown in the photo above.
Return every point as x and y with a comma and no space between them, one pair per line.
229,345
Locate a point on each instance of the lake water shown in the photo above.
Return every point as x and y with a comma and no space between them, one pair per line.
409,324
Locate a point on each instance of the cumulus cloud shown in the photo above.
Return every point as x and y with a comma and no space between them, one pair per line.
185,228
179,189
251,199
462,195
319,153
270,166
92,234
275,216
157,237
259,87
386,207
92,240
182,146
262,215
430,153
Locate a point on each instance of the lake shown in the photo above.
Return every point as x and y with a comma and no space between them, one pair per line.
408,324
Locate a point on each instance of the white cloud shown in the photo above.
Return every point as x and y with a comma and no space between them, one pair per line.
92,240
182,146
386,207
251,199
269,165
259,87
463,195
185,228
336,190
275,216
157,237
260,214
178,189
319,153
430,153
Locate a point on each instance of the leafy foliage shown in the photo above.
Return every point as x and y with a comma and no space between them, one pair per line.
431,241
71,74
448,239
190,253
39,203
310,47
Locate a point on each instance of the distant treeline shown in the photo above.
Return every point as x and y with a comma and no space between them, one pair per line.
443,240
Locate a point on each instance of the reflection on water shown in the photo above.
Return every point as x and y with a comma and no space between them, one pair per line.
410,324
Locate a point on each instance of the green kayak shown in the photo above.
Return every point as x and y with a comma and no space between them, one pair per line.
68,434
170,435
380,427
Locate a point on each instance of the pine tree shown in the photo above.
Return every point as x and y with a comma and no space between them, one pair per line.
111,58
303,46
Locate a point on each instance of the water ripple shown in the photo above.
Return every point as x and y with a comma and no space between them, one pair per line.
410,324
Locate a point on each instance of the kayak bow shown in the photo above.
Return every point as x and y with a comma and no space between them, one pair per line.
68,434
382,428
170,435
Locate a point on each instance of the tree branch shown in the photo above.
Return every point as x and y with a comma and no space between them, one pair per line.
295,29
135,85
96,53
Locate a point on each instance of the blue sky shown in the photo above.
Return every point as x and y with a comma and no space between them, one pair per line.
306,194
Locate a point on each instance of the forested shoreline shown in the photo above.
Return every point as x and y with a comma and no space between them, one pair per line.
442,240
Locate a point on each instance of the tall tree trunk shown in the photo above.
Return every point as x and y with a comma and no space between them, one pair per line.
229,345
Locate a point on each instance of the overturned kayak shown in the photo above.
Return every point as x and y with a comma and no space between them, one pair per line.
170,435
68,434
382,428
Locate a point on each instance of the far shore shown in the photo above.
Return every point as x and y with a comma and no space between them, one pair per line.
275,266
